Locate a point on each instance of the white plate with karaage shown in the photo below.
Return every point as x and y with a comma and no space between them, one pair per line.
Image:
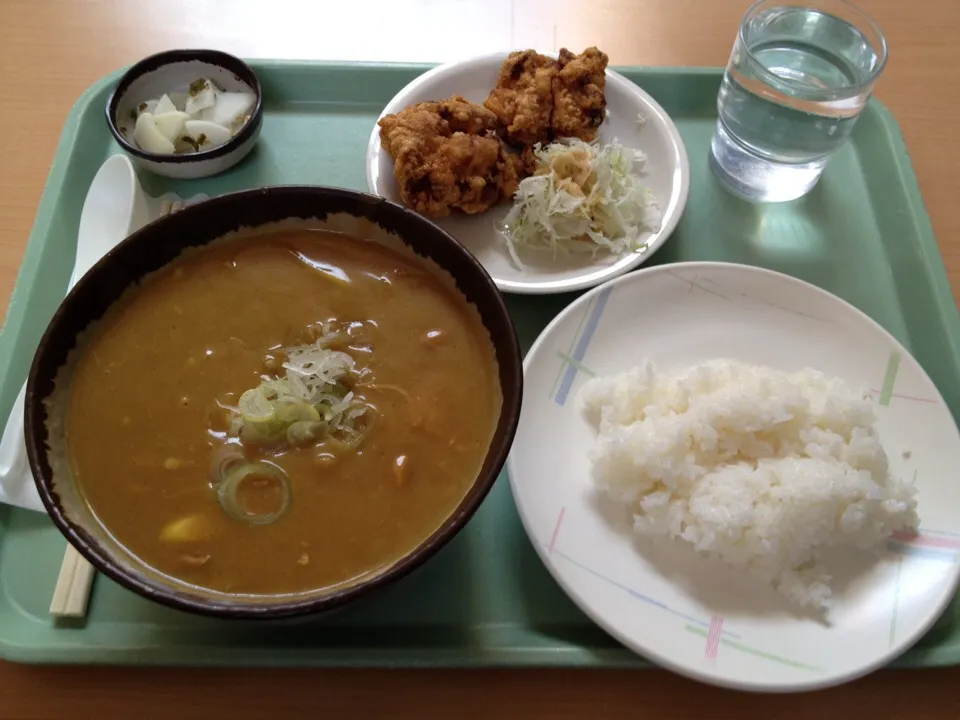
632,118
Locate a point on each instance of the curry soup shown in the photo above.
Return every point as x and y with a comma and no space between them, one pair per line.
282,413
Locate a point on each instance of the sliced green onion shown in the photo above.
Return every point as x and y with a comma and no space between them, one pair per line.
229,487
304,431
311,400
343,438
289,410
254,406
225,459
261,434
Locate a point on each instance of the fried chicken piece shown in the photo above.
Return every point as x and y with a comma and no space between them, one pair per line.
526,161
447,156
538,99
579,102
522,163
523,97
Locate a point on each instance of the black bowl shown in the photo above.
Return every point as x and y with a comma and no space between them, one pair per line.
158,244
165,71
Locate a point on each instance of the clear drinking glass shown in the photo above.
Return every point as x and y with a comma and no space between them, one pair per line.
799,75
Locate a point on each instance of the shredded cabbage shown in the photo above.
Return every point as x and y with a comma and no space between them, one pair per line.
308,403
583,197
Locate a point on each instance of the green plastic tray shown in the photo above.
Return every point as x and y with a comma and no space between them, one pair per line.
485,600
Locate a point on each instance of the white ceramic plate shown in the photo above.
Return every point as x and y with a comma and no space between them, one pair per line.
694,616
667,174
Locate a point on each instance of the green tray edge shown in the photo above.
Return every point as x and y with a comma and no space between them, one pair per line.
935,270
934,265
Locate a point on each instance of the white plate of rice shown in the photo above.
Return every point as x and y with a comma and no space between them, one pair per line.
739,476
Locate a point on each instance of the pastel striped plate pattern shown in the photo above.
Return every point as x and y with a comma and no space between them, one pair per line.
698,617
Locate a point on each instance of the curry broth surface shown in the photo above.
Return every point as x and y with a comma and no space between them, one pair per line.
142,413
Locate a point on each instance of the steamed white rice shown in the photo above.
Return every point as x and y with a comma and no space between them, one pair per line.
760,468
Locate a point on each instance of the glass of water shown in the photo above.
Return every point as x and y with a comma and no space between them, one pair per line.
800,73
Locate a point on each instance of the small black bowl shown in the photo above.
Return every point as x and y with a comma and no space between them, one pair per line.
174,70
155,246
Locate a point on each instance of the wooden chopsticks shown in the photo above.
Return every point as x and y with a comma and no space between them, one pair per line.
72,592
71,595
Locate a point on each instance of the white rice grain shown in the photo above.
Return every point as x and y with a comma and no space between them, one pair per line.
760,468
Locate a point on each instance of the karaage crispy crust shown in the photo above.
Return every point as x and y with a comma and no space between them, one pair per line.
523,97
579,100
538,99
447,156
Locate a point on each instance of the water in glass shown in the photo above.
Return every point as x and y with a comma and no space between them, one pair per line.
796,82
